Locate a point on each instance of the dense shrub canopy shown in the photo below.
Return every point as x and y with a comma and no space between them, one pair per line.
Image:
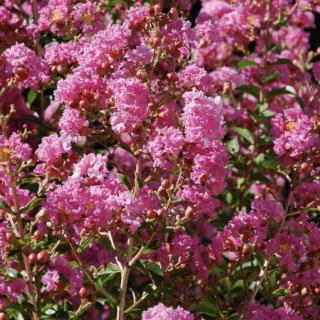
159,163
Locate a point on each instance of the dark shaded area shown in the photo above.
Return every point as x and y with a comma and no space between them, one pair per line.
194,12
315,34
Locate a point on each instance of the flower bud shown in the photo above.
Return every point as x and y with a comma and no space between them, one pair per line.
82,104
155,41
38,235
62,68
165,184
10,237
171,77
21,73
304,166
32,258
189,213
151,214
245,249
2,214
3,315
42,256
83,292
173,13
304,291
53,69
161,212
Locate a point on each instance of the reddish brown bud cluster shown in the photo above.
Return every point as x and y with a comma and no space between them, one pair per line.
41,257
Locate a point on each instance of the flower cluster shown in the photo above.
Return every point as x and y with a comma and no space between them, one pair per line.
159,160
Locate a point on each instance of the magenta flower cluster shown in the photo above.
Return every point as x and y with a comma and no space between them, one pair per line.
159,162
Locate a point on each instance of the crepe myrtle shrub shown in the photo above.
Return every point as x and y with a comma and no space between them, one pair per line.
155,165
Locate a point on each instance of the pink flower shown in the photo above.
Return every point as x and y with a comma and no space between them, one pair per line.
54,15
102,45
72,122
165,147
226,76
91,166
267,312
4,245
17,148
131,102
200,197
292,132
180,30
30,70
74,276
161,312
52,148
202,118
132,210
194,76
136,15
13,288
51,280
84,204
82,90
65,52
269,210
87,18
209,167
142,54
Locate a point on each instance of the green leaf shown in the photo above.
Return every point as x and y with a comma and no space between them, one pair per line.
4,206
261,107
83,308
245,133
106,275
152,267
284,90
138,180
112,268
27,180
74,265
246,63
216,271
15,311
231,197
279,292
154,271
233,145
206,308
236,287
123,179
270,77
12,273
31,97
84,244
50,312
32,204
266,161
254,91
280,61
268,114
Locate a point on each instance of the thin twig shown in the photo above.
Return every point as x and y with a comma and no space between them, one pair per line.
135,304
126,269
22,235
267,262
83,267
